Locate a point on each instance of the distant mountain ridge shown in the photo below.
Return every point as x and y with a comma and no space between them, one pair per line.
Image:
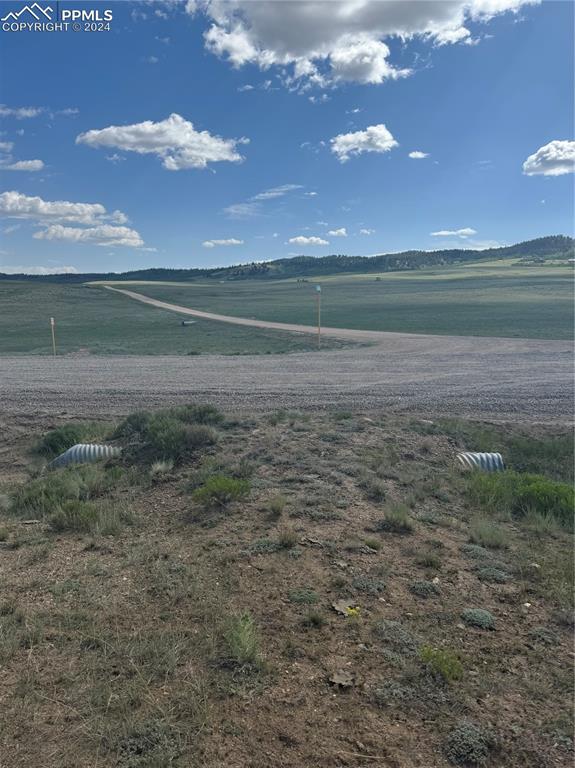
557,246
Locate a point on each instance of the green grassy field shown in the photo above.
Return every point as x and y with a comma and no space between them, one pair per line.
97,321
501,298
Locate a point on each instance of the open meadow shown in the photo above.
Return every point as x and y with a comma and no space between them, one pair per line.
98,322
320,589
501,298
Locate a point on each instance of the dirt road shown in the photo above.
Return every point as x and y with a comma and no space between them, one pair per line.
527,380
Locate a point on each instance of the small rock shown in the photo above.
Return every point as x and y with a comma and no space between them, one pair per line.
342,678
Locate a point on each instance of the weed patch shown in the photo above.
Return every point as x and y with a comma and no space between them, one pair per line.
219,491
522,495
396,520
442,663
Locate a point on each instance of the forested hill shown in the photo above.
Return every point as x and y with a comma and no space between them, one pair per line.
556,246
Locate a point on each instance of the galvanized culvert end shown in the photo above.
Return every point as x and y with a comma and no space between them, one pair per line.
85,453
486,462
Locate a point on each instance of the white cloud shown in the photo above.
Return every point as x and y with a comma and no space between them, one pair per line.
417,155
103,234
242,210
463,233
20,113
115,158
325,43
18,206
25,270
341,232
24,165
253,206
103,228
310,194
554,159
6,146
375,138
174,140
26,113
269,194
303,240
152,60
229,241
367,231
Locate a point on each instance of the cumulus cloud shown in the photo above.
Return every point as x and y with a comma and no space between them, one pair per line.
6,146
93,222
25,270
417,155
341,232
325,43
24,165
554,159
375,138
463,233
15,205
367,231
174,140
303,240
104,235
229,241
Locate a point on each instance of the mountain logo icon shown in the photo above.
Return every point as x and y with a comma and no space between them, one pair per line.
35,10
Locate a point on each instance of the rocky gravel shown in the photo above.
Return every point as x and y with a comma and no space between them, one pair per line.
518,379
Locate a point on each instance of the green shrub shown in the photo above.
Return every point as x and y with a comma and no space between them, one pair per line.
424,589
313,619
374,488
242,640
544,636
368,585
429,560
478,617
287,538
42,496
276,506
58,440
80,516
442,662
485,533
521,495
468,744
197,414
493,575
393,694
219,490
476,552
304,596
166,435
396,637
396,520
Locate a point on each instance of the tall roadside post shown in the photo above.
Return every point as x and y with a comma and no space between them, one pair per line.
318,294
52,326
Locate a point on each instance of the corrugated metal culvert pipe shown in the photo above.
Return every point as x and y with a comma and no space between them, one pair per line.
84,453
488,462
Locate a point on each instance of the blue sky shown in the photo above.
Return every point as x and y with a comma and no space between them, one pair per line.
304,120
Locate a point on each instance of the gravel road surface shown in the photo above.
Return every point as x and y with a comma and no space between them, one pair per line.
518,379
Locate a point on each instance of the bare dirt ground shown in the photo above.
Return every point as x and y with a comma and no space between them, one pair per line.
519,379
112,654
